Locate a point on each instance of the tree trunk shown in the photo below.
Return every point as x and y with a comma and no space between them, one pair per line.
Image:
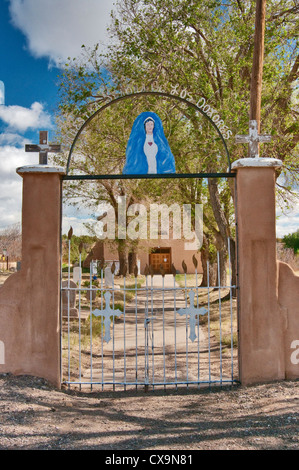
217,210
221,269
258,59
132,261
209,276
122,256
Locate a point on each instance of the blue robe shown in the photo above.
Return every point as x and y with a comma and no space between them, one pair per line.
136,161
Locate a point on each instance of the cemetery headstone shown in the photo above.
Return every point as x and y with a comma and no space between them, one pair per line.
94,268
77,274
69,299
108,277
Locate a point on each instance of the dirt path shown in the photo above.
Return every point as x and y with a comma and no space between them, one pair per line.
33,415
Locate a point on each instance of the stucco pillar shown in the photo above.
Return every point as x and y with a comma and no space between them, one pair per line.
30,299
261,357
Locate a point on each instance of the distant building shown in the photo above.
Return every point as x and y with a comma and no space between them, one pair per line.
150,252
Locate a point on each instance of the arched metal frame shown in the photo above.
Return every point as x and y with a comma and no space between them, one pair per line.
143,176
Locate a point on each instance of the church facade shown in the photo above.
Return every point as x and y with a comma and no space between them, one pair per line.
157,253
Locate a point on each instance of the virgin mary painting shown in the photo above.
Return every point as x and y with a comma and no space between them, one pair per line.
148,150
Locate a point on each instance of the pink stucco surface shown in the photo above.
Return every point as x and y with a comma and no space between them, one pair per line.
261,352
30,299
288,299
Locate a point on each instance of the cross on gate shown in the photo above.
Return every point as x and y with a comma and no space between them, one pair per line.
253,139
193,312
107,312
43,148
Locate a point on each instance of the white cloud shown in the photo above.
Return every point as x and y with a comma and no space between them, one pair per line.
21,119
11,139
58,28
77,225
287,223
10,159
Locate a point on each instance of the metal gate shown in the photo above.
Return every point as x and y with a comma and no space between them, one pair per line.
149,330
152,330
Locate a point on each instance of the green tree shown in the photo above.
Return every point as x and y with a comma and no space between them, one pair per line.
205,48
78,244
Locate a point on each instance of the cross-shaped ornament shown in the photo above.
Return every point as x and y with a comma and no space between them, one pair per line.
253,139
43,148
107,313
192,312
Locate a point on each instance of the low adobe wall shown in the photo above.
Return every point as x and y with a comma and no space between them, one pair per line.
288,301
30,298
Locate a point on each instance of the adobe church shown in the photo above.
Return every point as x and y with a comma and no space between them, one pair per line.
156,253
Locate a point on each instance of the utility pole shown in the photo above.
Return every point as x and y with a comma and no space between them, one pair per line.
254,138
257,66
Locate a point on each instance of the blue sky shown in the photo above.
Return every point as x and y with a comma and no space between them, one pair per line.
26,79
36,37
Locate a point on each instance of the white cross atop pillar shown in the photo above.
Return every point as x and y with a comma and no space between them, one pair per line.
43,148
253,139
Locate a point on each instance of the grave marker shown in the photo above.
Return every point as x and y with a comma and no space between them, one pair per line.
108,277
69,298
77,274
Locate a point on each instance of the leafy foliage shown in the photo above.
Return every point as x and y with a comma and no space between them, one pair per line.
79,244
292,241
205,48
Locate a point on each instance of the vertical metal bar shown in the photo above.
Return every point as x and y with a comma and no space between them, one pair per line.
163,319
209,331
220,326
102,327
125,357
146,342
146,348
198,348
80,357
113,340
136,335
187,352
153,339
61,332
175,345
68,312
90,322
231,312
